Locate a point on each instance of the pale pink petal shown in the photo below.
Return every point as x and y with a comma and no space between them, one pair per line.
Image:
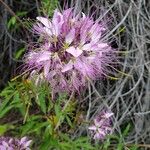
82,65
57,18
5,144
46,68
98,136
67,67
57,22
107,115
43,56
102,45
96,122
96,32
101,132
95,38
27,144
45,21
24,139
91,58
47,31
99,123
51,75
70,36
10,141
83,15
76,52
76,83
92,128
56,29
67,14
3,147
87,47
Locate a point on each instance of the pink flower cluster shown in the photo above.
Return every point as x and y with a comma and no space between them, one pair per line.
69,50
7,143
102,125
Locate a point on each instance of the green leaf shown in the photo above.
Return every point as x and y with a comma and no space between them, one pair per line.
11,22
41,100
69,121
5,110
48,131
22,13
57,110
4,128
107,144
48,6
27,127
120,146
50,144
126,131
19,53
38,126
134,147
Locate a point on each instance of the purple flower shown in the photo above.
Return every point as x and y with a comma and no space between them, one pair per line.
102,125
7,143
69,51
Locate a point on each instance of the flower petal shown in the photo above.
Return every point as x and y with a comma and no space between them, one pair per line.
83,15
98,136
99,123
23,140
47,31
92,128
67,67
87,47
3,147
76,82
45,21
102,45
101,132
107,115
57,18
70,36
57,22
76,52
44,56
27,144
5,144
46,68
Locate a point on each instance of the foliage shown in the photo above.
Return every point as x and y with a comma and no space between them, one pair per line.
48,7
38,113
45,119
12,22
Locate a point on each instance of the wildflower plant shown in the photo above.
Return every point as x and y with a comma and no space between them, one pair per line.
69,51
102,125
7,143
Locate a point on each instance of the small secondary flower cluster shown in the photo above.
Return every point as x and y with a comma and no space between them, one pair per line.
102,125
69,51
7,143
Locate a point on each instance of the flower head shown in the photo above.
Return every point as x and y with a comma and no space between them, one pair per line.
7,143
102,125
69,51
